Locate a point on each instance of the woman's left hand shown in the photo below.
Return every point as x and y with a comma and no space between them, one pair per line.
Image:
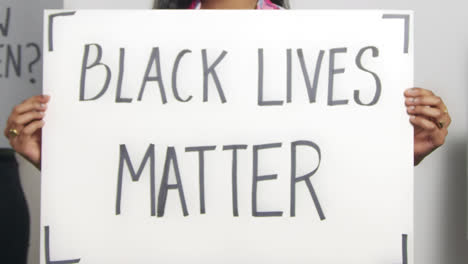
430,119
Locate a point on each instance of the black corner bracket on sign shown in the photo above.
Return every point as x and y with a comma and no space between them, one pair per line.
47,250
404,245
406,19
51,26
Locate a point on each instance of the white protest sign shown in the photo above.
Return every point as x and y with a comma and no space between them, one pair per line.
20,53
227,137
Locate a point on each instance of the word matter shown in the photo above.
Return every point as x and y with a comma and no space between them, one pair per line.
171,164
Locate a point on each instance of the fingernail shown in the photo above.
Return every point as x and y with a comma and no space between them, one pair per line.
410,100
415,100
42,113
42,105
412,117
411,108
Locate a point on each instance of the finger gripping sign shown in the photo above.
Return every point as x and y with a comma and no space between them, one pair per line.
227,137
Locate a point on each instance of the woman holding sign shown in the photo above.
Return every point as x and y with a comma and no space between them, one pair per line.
428,113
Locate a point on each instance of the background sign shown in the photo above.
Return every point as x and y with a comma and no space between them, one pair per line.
20,53
227,136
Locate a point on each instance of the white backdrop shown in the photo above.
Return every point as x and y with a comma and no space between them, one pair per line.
441,64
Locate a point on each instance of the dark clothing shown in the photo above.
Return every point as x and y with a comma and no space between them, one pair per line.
14,214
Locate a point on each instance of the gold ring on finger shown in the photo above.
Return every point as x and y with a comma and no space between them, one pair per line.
441,124
13,133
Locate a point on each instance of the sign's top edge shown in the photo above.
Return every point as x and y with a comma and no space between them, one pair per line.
234,10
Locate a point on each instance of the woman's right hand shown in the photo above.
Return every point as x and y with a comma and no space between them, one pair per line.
24,128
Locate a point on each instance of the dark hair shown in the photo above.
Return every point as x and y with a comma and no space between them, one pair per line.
184,4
